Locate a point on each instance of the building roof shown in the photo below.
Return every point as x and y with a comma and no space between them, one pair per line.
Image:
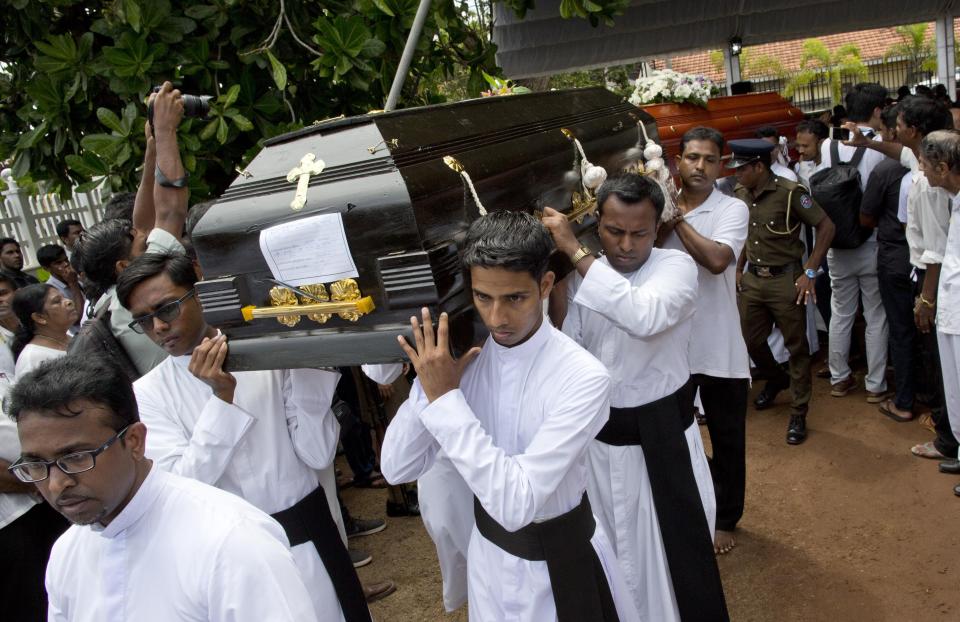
873,45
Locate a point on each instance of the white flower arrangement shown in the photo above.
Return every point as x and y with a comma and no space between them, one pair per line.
668,86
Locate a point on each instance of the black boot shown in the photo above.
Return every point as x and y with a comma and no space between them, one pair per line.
797,430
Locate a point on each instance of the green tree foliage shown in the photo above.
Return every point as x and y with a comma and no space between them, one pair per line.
916,47
753,66
817,60
75,74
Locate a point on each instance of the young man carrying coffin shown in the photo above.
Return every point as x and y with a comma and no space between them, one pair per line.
261,435
515,420
648,475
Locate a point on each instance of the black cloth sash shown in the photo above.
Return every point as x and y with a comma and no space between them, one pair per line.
658,427
309,520
579,584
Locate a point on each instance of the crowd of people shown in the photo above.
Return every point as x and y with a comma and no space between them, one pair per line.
559,468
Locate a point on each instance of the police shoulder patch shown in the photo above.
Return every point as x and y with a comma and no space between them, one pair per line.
806,202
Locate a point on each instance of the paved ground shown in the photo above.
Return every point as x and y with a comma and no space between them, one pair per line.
848,526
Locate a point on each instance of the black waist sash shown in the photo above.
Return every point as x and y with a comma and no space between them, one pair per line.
579,584
659,428
309,520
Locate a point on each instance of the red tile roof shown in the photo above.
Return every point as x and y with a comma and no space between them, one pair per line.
873,45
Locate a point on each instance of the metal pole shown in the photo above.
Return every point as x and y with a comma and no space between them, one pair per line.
407,56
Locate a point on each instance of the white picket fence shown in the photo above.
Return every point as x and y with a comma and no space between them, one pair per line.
32,219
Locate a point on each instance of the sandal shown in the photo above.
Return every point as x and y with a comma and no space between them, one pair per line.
888,409
926,421
927,450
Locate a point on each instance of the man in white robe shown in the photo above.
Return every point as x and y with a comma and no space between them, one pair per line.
146,545
514,420
649,477
260,435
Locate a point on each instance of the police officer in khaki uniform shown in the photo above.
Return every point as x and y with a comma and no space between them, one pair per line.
775,286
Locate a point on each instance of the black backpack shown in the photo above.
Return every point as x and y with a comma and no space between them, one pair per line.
837,190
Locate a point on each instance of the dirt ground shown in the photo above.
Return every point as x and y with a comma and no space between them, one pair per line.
848,526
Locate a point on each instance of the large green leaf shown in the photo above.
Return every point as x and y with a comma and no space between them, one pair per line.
278,71
89,164
131,11
131,56
110,119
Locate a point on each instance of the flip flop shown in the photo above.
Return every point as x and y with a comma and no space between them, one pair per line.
926,421
886,409
927,450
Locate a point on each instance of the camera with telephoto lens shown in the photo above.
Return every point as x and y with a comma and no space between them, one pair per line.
193,106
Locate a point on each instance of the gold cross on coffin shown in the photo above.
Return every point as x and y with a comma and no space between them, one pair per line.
309,165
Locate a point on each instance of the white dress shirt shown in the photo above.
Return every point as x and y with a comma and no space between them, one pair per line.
517,432
263,447
13,505
716,342
948,293
783,172
928,220
180,550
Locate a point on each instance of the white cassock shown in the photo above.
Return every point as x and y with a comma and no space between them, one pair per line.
264,447
639,326
449,523
516,434
180,550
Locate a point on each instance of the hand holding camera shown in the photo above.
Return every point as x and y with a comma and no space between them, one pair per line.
168,106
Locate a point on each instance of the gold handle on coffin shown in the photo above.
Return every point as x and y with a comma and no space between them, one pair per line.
287,307
361,307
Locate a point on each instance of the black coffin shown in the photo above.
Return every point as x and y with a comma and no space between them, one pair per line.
403,210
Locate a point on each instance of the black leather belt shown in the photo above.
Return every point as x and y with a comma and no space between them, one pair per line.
765,272
577,578
309,520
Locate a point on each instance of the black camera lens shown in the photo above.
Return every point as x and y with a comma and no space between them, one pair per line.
196,106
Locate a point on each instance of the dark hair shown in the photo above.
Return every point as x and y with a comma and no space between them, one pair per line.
923,90
5,241
27,301
889,116
175,265
863,99
939,90
925,114
195,214
815,127
903,91
49,253
942,146
767,131
119,206
59,382
63,227
838,115
100,248
515,241
702,133
8,280
631,189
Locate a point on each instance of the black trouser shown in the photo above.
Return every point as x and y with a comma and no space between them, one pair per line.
24,548
930,355
897,292
725,406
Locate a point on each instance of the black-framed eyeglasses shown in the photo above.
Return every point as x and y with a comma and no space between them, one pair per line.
71,464
167,313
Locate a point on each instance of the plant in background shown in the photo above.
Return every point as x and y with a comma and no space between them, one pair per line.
818,61
668,86
916,47
75,75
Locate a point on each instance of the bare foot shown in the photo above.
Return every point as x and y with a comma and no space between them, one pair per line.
723,542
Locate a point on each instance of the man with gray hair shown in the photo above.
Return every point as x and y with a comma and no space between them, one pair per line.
940,161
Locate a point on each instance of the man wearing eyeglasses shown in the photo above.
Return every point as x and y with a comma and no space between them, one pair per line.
260,435
146,545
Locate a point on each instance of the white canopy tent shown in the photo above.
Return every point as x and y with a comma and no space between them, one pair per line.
543,43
